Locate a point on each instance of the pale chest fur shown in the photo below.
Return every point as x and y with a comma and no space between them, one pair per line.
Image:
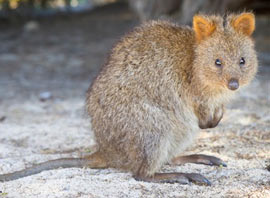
183,128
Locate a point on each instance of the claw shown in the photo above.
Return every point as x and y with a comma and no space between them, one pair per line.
197,178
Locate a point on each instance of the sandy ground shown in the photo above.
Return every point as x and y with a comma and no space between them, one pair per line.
61,58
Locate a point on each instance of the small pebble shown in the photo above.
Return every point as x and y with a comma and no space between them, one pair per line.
2,118
45,96
31,26
268,167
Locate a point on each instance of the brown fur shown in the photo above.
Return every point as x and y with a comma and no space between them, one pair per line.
160,82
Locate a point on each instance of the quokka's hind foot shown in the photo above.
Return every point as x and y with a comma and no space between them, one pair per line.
198,159
181,178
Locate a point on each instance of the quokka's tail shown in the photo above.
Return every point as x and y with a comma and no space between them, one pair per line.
92,161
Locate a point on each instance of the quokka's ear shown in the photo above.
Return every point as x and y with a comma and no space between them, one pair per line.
203,27
244,23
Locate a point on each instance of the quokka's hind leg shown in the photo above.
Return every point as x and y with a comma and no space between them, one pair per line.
152,163
181,178
198,159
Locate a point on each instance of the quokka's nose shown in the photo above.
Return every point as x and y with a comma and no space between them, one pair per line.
233,84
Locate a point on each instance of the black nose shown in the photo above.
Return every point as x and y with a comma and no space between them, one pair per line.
233,84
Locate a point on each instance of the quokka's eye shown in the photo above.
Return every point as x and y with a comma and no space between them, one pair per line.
218,63
242,61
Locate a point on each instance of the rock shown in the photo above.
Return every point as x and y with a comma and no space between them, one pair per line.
31,26
2,118
43,96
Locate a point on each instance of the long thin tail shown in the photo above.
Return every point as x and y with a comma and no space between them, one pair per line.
92,161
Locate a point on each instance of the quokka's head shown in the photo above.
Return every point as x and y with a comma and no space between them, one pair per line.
224,52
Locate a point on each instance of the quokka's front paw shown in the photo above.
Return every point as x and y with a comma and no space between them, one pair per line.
218,115
212,120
